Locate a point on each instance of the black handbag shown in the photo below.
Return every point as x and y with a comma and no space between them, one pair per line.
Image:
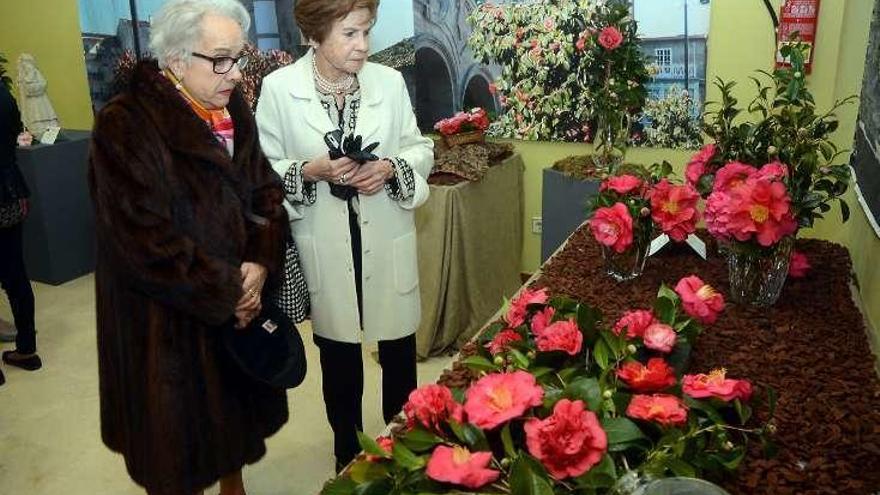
269,350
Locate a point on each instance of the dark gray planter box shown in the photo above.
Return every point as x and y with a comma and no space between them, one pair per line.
563,207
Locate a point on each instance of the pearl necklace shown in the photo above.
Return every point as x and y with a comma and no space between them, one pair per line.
341,86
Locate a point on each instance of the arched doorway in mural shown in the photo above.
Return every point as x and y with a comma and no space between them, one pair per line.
434,88
477,94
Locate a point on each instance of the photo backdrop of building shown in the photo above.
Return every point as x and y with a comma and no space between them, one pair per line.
866,157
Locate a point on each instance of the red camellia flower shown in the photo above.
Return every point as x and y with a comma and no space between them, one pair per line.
635,323
700,300
659,337
717,215
654,377
696,168
612,226
674,209
560,336
502,340
622,184
760,208
716,385
542,319
499,397
667,410
516,313
460,466
580,44
568,442
430,405
774,170
799,265
610,38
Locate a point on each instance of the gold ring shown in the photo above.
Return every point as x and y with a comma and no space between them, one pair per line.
342,179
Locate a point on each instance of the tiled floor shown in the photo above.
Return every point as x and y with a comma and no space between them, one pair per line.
49,433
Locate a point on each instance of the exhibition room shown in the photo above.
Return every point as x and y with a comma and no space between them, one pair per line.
414,247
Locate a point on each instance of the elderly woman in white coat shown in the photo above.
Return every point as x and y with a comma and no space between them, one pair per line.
352,223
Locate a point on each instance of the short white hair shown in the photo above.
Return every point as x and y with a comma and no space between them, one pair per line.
176,28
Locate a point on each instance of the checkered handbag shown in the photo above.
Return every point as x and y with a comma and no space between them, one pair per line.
11,213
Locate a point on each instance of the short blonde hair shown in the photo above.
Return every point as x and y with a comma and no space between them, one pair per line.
315,18
176,28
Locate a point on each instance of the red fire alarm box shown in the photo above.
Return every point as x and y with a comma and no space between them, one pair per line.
801,16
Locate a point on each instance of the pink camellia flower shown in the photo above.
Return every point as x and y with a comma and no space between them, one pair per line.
542,319
667,410
717,215
732,175
716,385
459,466
386,444
431,405
612,226
674,209
502,340
549,24
568,442
516,313
580,44
499,397
622,184
635,323
775,170
610,38
659,337
799,265
760,209
560,336
696,168
700,300
654,377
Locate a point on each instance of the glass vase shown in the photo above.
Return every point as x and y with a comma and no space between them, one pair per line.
630,263
757,274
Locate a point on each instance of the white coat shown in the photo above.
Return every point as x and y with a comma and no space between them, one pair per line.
292,124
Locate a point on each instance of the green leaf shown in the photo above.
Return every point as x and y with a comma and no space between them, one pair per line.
586,390
528,477
844,210
681,468
601,354
370,446
470,435
507,441
588,319
668,293
664,309
339,486
479,363
519,359
406,458
374,487
420,440
602,475
743,411
621,430
705,407
364,471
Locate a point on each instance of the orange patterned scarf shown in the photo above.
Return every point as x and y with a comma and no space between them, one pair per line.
219,121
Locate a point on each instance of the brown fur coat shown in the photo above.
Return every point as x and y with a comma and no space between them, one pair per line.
175,218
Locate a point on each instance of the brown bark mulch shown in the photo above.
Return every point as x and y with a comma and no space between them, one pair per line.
811,348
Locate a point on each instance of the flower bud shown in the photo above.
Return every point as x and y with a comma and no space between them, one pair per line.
771,428
825,170
631,349
608,394
645,212
728,445
531,354
505,461
771,150
798,75
499,360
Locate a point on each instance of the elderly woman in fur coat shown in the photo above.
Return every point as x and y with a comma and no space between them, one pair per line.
189,224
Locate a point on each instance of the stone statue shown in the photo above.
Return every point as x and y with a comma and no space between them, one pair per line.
37,113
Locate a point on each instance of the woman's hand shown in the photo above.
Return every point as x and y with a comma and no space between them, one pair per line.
253,276
372,176
339,171
25,138
244,317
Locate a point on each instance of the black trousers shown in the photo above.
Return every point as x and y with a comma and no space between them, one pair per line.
342,369
14,280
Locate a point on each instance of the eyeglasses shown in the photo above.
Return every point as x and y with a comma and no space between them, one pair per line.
223,64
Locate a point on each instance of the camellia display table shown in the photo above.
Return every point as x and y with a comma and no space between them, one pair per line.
469,248
59,238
